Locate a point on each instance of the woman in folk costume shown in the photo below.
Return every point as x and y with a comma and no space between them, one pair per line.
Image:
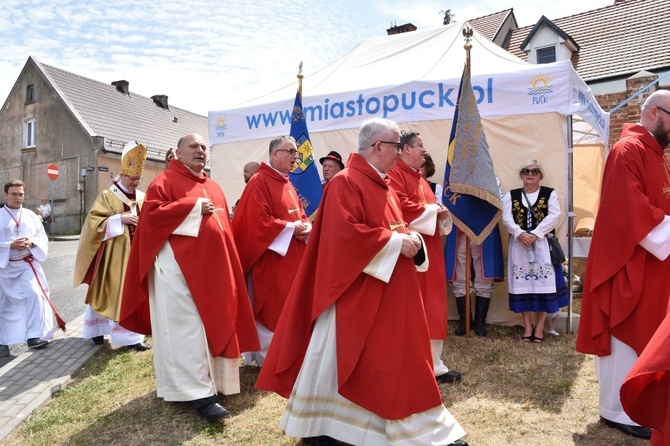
530,215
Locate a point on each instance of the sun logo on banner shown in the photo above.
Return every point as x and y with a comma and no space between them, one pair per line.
220,126
540,84
540,90
305,152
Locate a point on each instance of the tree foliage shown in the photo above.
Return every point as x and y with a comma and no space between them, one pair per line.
448,16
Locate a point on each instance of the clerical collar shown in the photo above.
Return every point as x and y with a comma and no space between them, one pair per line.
122,187
381,174
283,174
11,209
197,174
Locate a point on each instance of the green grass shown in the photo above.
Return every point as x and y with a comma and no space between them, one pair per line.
512,393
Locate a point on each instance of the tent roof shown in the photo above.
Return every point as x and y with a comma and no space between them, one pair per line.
431,54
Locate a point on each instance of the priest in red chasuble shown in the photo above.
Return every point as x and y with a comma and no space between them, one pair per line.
627,281
271,231
426,216
355,304
184,284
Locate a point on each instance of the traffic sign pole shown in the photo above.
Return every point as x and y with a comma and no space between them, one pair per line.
52,173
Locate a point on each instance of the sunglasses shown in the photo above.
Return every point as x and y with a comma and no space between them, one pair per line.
530,171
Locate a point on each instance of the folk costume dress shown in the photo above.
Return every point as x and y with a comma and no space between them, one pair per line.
263,226
419,209
356,299
627,279
102,256
184,284
25,307
535,284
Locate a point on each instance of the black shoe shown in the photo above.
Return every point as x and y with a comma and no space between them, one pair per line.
458,443
449,377
213,412
140,346
633,431
4,350
322,440
36,343
98,340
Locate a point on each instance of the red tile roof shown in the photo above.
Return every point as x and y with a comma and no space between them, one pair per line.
615,41
489,25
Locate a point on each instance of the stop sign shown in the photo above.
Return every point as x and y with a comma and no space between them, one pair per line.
52,171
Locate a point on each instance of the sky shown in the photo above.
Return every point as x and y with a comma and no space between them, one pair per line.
213,55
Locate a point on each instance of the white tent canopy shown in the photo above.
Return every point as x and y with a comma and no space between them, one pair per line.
413,78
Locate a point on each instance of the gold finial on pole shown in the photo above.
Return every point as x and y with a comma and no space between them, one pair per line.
300,76
467,34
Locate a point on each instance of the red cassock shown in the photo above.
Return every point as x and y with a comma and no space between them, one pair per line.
645,394
384,361
626,288
414,193
210,262
267,203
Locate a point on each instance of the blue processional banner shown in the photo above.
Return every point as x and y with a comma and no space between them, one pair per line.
305,177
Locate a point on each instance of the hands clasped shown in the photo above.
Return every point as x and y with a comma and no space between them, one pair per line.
526,238
302,230
410,244
443,212
21,243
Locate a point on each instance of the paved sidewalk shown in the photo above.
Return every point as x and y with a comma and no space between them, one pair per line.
29,380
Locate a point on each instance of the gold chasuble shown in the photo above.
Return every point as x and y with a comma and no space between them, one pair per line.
102,264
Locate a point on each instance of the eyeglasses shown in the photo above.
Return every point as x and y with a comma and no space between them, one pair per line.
530,171
662,109
291,152
397,144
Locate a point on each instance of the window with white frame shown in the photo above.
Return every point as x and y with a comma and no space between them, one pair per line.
29,134
546,55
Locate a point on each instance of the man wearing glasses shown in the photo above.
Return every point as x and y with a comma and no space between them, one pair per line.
102,253
627,280
270,229
355,300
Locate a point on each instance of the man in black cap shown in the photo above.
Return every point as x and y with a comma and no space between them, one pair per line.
332,163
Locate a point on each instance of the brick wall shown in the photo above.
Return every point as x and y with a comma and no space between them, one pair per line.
631,111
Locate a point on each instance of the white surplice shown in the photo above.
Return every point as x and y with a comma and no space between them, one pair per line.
185,368
316,408
24,310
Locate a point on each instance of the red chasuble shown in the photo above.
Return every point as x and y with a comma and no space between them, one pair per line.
414,193
267,203
626,288
384,361
645,394
209,262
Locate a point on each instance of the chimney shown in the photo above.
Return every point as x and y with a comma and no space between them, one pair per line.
407,27
121,86
161,100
